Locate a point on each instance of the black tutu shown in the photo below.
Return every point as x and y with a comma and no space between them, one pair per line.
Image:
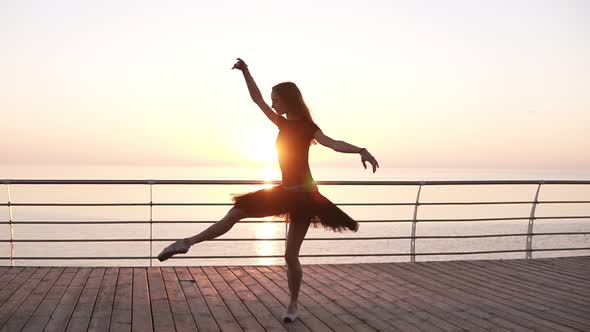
295,206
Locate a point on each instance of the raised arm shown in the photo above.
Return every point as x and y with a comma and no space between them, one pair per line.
255,92
343,147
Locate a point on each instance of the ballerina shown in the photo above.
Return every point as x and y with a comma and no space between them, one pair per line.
297,198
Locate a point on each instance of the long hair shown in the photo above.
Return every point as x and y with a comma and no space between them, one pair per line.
291,96
293,99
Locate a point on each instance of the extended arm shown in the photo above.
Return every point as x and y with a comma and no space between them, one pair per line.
254,91
343,147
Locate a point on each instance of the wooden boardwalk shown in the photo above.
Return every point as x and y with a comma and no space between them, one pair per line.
503,295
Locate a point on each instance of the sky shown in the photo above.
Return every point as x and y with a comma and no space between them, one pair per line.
425,84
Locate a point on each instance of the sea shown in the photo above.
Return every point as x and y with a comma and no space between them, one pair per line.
248,238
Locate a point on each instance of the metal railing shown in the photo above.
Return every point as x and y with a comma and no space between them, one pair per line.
529,235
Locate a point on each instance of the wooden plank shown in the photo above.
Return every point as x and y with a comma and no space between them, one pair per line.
506,307
3,269
540,277
423,298
419,301
517,295
569,263
61,316
183,319
18,296
162,320
402,315
241,313
262,314
548,273
199,309
183,274
317,303
13,280
492,304
550,296
576,271
83,309
526,267
11,274
20,316
46,308
261,274
142,310
278,275
223,316
485,309
395,312
574,262
266,297
526,303
103,308
408,288
553,275
364,311
529,282
122,309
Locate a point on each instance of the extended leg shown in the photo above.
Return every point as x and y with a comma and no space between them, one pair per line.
297,231
217,229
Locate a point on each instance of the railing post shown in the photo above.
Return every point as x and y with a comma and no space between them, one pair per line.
151,182
414,222
10,227
529,236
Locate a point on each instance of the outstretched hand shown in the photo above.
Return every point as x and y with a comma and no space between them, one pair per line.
366,156
240,65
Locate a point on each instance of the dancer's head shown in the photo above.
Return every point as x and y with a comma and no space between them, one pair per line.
286,98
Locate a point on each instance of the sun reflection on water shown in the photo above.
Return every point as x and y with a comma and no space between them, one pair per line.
265,248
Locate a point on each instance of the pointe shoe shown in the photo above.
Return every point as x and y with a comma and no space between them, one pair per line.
178,247
289,317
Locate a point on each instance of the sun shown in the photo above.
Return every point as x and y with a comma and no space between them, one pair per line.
260,151
268,174
261,154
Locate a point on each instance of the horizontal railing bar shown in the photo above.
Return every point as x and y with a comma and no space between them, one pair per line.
50,222
304,255
341,204
563,202
131,240
501,202
179,204
310,239
473,219
563,217
218,239
497,251
90,222
80,257
561,233
82,204
497,219
496,235
151,204
261,182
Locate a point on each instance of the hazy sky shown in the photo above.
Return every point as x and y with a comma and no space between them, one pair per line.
486,84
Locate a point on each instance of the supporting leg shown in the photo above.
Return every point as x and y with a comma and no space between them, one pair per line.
297,231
